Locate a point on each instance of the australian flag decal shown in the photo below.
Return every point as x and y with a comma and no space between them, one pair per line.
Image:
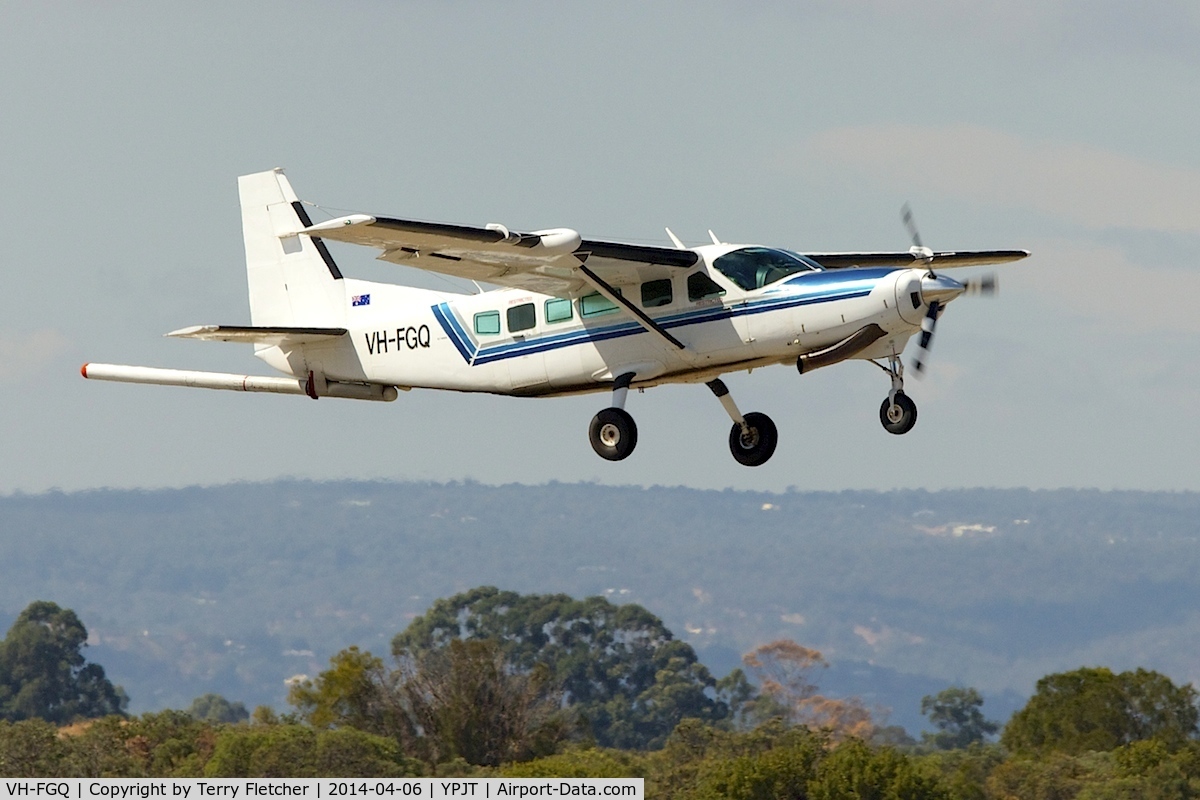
360,300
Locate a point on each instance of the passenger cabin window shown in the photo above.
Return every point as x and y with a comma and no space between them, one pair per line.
702,287
521,318
756,267
487,323
559,310
596,304
656,293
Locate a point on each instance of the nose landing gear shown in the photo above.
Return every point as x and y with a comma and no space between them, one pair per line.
898,413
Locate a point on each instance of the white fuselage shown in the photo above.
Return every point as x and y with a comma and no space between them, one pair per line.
512,341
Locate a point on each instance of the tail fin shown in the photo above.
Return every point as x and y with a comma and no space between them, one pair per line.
293,279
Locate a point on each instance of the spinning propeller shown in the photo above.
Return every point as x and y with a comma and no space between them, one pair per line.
937,290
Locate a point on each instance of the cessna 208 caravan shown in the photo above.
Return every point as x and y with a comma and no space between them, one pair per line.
573,315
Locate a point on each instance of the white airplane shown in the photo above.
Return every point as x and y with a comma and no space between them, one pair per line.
574,315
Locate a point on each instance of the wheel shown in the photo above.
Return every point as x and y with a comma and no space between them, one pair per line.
899,418
758,443
613,433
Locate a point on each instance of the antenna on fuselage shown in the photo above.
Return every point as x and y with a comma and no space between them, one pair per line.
678,244
713,236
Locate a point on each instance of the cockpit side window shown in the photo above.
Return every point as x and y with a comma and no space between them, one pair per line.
702,287
755,267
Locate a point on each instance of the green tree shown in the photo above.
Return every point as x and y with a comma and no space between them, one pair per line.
630,681
43,673
104,748
30,749
215,708
580,763
357,691
463,701
777,772
1094,709
955,712
853,771
471,704
171,743
297,751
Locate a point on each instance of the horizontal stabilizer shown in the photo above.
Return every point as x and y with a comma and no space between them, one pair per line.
123,373
247,334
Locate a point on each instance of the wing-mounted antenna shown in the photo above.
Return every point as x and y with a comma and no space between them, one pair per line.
678,244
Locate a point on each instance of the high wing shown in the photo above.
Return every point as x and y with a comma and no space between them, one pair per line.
918,257
546,261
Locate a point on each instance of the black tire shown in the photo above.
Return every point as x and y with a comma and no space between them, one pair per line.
613,434
905,418
759,445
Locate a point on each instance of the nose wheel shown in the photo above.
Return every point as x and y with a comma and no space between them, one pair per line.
898,414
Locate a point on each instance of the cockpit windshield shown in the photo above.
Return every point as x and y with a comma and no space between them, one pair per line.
756,267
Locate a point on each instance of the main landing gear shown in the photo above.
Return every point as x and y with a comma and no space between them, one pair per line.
613,433
753,437
898,413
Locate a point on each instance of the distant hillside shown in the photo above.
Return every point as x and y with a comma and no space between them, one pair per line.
233,589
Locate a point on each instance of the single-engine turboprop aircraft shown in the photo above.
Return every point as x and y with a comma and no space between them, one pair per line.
574,315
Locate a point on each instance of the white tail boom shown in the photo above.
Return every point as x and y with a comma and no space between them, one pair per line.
237,383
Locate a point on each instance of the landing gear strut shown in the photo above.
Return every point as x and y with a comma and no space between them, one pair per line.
613,432
753,437
898,413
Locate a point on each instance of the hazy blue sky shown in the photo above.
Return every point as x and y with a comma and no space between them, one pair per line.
1068,128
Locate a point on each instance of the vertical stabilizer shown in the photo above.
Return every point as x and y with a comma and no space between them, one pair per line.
293,279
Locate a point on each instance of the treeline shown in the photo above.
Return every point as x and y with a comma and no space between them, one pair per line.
698,761
229,589
492,683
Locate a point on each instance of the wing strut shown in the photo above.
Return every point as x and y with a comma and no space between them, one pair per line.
645,321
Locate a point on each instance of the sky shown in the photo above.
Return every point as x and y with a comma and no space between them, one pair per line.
1065,128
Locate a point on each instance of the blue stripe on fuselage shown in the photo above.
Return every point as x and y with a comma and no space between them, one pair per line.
805,289
449,323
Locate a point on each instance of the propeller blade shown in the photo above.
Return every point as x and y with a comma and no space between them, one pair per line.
985,285
920,252
907,215
927,326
